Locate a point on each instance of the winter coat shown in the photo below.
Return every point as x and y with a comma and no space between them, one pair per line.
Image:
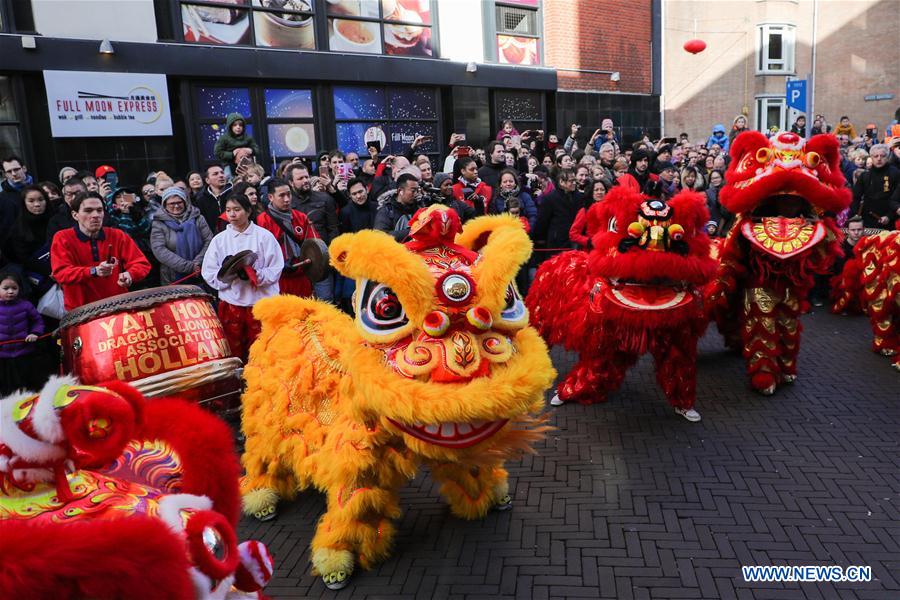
555,218
529,210
61,220
18,319
228,142
356,217
392,216
211,205
164,240
28,242
322,212
721,139
877,194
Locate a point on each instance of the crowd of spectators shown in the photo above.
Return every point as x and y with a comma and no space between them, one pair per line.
83,236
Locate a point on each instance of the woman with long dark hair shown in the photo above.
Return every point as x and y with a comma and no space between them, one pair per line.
28,243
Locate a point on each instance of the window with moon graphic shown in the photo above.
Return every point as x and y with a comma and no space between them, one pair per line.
288,118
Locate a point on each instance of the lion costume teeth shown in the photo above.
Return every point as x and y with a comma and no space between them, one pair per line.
439,367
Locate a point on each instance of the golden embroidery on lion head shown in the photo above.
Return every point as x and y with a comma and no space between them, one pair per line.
439,366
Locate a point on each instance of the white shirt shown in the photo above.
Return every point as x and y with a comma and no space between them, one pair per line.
268,266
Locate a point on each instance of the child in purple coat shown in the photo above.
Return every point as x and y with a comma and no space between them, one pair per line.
19,320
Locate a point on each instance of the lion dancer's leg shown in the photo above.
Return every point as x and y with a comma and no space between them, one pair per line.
760,338
675,355
595,376
471,491
363,488
788,329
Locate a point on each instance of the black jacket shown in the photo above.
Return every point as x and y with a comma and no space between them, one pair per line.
555,217
61,220
10,206
211,206
490,174
877,194
393,217
322,212
356,217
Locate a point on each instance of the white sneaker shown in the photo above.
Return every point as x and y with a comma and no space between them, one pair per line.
688,413
556,401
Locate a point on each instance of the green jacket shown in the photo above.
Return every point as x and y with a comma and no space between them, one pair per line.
228,142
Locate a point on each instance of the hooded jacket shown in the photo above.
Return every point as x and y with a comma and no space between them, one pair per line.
718,137
228,142
164,240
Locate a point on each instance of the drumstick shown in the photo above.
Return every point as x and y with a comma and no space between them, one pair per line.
109,255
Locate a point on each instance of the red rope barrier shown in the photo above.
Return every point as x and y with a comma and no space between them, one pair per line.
40,337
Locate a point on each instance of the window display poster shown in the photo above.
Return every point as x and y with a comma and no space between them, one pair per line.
515,50
99,104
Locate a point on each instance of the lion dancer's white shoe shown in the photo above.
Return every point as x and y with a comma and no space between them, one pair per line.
688,413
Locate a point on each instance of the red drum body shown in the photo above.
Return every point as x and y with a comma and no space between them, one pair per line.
165,341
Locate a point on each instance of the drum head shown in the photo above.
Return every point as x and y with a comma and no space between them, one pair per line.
234,265
131,301
315,251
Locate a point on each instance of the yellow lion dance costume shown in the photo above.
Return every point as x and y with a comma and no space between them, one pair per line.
439,367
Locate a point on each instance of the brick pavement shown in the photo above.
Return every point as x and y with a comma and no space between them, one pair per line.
626,500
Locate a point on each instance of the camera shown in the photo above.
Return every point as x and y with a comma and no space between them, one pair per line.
431,195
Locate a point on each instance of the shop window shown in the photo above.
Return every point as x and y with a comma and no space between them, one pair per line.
518,35
771,111
284,128
10,137
213,105
524,108
290,127
391,116
395,27
775,49
266,23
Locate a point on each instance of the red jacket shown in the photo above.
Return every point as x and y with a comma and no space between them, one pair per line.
482,189
72,254
588,222
291,282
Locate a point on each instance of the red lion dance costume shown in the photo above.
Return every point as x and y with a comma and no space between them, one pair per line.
638,291
870,283
106,496
784,193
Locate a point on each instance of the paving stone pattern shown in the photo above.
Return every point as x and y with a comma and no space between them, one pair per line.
626,500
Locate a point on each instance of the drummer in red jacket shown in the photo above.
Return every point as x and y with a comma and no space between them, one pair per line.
290,227
91,262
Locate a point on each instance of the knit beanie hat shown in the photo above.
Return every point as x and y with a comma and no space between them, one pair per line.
440,178
173,191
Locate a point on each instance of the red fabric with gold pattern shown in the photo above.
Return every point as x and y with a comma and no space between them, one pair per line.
784,192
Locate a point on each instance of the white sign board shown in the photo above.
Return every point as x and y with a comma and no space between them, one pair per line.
97,104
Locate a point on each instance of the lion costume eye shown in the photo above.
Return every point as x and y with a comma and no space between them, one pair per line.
514,313
379,309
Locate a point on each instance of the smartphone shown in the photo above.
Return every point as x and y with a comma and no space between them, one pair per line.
462,137
463,151
112,178
345,171
374,144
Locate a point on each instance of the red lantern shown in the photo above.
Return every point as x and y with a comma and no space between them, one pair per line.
695,46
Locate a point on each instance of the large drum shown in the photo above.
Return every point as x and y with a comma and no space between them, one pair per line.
164,341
